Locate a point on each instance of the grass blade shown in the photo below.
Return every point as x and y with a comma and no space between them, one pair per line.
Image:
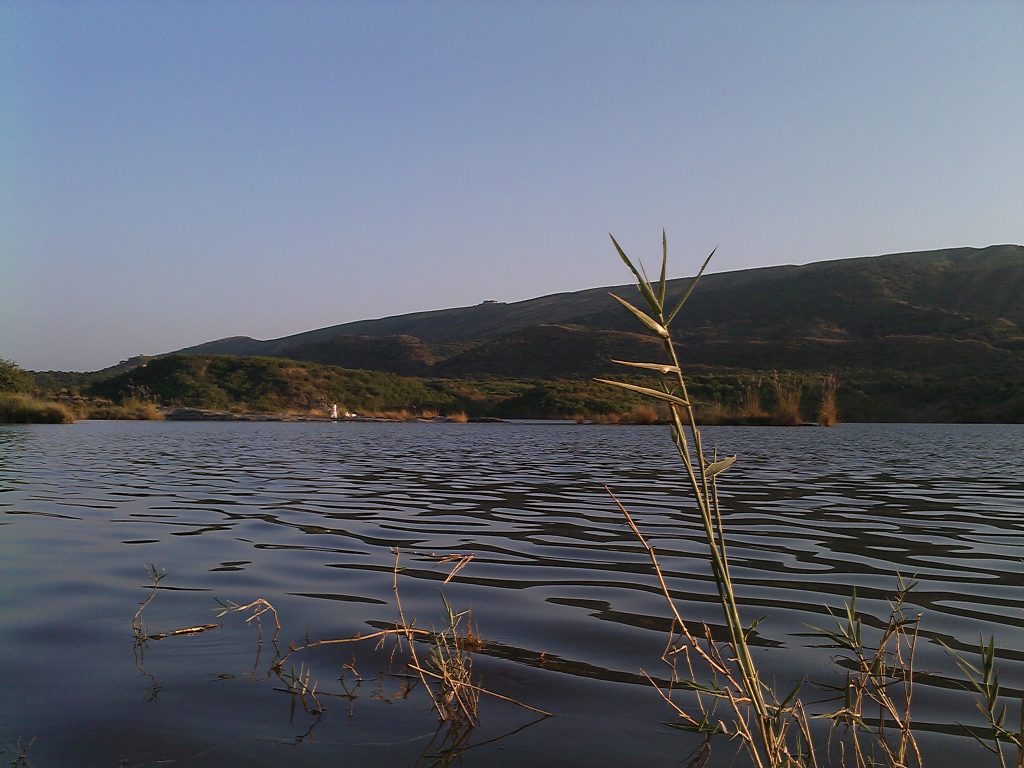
641,281
659,367
690,287
664,262
643,317
655,393
718,467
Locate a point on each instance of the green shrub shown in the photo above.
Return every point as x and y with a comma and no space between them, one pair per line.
13,378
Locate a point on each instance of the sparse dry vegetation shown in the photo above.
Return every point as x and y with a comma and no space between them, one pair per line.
16,408
131,408
828,413
788,395
445,674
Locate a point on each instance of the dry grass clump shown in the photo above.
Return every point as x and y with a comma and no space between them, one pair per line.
748,412
828,414
716,413
399,414
787,400
451,665
445,673
24,409
131,408
458,417
642,414
751,407
638,414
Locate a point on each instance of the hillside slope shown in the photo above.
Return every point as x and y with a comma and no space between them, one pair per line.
941,311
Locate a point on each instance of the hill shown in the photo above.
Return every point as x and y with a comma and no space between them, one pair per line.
777,316
936,335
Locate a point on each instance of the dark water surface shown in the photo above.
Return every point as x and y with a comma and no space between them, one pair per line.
304,515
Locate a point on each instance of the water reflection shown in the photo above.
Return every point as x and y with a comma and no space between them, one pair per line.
304,515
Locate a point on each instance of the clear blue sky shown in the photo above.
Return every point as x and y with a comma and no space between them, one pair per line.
176,172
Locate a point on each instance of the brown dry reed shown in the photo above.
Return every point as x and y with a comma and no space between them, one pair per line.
788,395
638,414
828,413
131,408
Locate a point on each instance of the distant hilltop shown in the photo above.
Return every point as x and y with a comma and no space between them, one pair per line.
953,311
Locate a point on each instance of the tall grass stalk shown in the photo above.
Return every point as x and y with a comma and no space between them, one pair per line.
766,737
880,679
983,681
774,730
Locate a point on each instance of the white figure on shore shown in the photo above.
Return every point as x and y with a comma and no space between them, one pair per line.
334,411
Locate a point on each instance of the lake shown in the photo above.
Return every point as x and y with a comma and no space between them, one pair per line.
306,515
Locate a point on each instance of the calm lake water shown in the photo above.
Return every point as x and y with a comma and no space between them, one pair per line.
305,515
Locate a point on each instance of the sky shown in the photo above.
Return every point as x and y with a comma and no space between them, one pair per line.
177,172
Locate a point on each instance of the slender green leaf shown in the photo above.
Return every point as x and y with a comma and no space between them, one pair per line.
718,467
753,625
690,287
448,608
791,695
664,262
659,367
655,393
643,317
642,283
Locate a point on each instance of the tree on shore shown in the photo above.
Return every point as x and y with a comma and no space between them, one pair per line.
13,378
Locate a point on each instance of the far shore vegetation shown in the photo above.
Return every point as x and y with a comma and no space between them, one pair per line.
18,405
234,387
17,408
239,386
934,336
